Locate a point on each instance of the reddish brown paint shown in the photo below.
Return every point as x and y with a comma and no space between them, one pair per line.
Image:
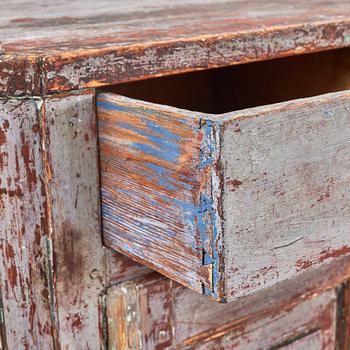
302,264
28,161
324,255
2,137
11,269
234,184
77,323
334,253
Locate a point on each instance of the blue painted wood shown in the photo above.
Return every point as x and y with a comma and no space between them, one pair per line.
156,189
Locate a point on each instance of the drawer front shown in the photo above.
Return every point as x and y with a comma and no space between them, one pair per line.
227,204
156,313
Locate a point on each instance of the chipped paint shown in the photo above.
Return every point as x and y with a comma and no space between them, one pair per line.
140,44
285,194
166,315
160,182
38,185
210,223
184,191
26,308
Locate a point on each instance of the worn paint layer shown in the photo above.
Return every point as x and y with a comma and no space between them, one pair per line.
156,189
156,313
259,195
82,267
54,268
64,46
289,209
24,259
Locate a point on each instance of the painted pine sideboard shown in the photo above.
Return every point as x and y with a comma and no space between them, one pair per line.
175,175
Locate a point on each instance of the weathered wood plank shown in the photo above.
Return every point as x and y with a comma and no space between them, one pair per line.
54,268
80,267
152,193
156,313
267,189
308,325
25,258
285,194
54,46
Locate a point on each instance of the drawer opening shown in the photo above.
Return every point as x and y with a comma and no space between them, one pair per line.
221,90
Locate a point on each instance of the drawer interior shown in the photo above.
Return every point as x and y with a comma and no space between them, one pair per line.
227,89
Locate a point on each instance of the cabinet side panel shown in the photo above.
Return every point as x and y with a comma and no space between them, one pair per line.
24,238
286,190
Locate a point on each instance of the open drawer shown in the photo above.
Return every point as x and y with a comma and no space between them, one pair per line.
230,194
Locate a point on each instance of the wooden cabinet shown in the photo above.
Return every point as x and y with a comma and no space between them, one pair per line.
206,140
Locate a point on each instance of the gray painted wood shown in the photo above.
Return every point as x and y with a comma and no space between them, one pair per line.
24,238
82,268
70,143
285,193
64,45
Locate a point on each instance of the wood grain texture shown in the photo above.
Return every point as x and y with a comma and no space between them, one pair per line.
155,202
70,143
270,185
24,261
52,46
54,268
156,313
82,268
286,198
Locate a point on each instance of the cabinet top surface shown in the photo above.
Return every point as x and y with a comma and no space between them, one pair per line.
76,44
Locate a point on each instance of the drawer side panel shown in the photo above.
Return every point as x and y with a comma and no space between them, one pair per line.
155,175
286,192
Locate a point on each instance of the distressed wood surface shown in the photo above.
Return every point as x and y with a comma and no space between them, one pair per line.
54,268
285,192
50,46
268,189
82,267
156,313
24,261
151,190
72,187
